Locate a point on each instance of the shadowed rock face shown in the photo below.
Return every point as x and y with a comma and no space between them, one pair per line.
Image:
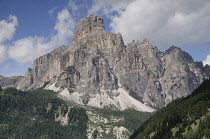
97,68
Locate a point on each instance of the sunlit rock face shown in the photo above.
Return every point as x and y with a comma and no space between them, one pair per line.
98,70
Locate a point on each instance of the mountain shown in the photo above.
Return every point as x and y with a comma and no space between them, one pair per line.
9,81
99,70
187,117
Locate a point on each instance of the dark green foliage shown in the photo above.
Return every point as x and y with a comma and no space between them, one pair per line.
132,119
78,118
180,115
0,88
95,134
24,115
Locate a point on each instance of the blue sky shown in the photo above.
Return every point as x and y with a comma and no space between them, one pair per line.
31,28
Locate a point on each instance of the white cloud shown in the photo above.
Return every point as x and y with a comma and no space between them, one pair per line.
73,6
164,22
7,31
2,54
107,7
26,50
78,8
51,11
207,61
65,26
8,28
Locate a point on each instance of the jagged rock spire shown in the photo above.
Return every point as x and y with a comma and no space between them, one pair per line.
87,25
145,41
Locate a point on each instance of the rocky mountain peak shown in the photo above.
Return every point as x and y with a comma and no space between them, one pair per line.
177,54
87,25
145,41
99,70
173,49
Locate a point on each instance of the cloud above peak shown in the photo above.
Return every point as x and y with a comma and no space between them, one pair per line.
65,26
172,22
107,7
26,50
164,22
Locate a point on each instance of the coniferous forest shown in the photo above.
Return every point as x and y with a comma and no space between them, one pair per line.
187,117
37,114
25,115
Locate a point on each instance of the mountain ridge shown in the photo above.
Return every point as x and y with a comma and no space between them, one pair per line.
9,81
97,65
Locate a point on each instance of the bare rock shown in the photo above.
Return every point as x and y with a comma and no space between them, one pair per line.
87,25
98,67
9,81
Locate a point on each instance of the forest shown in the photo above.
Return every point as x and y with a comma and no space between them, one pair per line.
25,115
187,117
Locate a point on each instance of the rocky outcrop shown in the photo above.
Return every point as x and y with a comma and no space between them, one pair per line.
9,81
98,70
87,25
156,77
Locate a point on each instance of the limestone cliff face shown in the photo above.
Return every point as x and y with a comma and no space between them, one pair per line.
87,25
140,70
97,69
46,68
156,77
